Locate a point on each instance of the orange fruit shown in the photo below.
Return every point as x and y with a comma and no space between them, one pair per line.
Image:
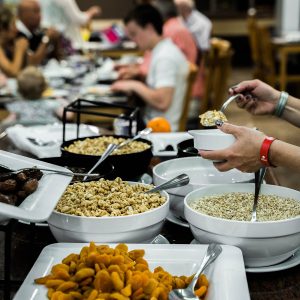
159,124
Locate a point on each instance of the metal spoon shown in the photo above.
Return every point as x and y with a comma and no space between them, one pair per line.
140,134
177,181
229,100
259,176
110,148
213,251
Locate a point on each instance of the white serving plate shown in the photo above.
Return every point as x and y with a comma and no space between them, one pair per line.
161,140
19,135
227,275
38,206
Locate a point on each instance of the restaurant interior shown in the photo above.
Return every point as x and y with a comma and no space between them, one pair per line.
103,101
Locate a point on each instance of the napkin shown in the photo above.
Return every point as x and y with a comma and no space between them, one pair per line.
19,135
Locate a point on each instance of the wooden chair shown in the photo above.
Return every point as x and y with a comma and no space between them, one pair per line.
252,25
218,68
191,77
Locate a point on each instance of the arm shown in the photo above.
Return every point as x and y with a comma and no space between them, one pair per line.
12,68
52,37
261,99
244,154
77,16
160,98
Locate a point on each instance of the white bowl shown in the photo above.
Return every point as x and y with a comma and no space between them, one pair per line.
201,172
138,228
211,139
262,243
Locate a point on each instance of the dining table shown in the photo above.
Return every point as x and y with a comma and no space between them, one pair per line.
23,242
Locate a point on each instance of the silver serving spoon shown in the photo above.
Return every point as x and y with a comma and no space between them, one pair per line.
49,171
177,181
110,148
229,100
140,134
259,176
213,251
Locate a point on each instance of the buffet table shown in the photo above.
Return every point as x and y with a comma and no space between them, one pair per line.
24,242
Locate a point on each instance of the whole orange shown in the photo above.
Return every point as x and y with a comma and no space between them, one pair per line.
159,124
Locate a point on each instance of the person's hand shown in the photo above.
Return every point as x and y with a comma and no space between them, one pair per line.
126,86
21,44
94,11
258,98
128,71
52,33
243,155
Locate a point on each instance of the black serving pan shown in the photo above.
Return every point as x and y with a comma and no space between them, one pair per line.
127,166
106,169
186,148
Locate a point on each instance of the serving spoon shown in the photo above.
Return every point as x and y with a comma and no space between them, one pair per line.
228,101
259,176
112,147
213,251
177,181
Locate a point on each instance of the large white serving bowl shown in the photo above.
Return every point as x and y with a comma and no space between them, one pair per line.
262,243
138,228
202,173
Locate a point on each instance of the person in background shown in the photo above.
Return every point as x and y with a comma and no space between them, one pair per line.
200,27
42,44
253,149
32,108
173,29
66,17
197,23
165,85
13,50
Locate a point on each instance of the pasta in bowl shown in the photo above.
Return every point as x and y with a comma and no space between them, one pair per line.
109,211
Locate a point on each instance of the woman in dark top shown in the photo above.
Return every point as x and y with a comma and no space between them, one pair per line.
13,50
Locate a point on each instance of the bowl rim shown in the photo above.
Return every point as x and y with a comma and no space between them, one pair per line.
187,205
192,158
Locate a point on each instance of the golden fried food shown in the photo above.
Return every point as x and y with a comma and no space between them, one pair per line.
209,118
101,272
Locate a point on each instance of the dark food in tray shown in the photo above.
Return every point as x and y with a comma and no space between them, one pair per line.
14,188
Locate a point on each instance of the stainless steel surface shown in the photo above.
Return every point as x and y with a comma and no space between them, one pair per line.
228,101
177,181
110,148
213,251
140,134
259,177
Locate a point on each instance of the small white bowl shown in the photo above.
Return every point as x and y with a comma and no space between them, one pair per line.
262,243
138,228
202,173
211,139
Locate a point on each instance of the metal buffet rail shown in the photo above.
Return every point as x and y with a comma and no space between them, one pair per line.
22,243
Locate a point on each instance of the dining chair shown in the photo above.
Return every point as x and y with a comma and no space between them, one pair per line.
273,63
217,72
252,25
191,77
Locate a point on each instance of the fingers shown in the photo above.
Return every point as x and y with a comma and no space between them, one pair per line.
213,155
228,128
244,86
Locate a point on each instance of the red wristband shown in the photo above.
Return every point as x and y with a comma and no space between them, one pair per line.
264,150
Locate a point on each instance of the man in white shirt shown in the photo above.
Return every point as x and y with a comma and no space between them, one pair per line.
165,85
197,23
